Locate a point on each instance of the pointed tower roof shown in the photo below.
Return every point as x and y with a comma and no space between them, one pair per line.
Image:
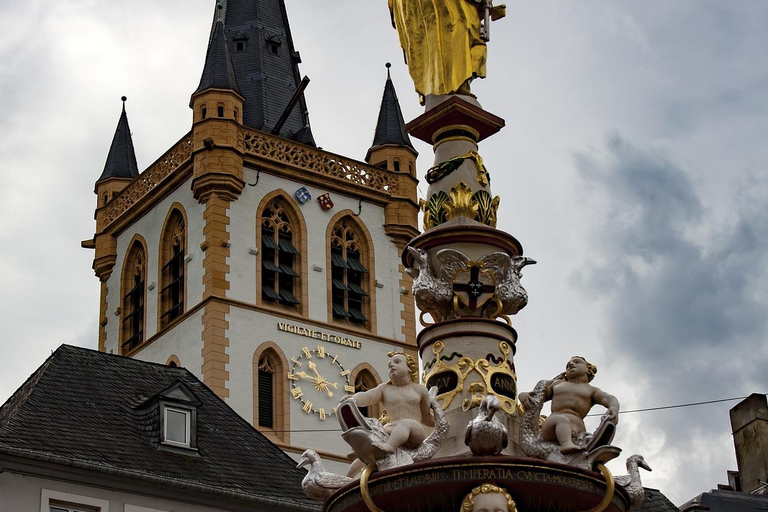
218,73
390,128
121,160
265,65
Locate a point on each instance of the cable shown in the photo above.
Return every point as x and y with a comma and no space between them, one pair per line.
691,404
663,407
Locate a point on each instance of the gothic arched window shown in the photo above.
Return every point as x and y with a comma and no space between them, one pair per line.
349,276
270,405
279,255
133,297
173,248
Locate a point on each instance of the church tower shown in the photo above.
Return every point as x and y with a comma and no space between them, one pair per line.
268,267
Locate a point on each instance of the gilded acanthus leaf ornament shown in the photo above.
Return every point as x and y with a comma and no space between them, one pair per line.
461,201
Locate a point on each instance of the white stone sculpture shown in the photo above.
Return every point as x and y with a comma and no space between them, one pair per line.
319,484
631,481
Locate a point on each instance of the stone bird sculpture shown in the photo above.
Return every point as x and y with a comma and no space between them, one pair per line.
631,482
485,434
319,484
432,295
506,270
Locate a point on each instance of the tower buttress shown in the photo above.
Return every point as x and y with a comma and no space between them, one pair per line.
392,150
119,171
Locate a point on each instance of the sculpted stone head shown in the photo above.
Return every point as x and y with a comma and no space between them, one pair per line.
578,366
488,498
403,364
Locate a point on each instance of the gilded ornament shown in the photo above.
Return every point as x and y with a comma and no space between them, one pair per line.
460,203
444,43
447,378
434,209
443,169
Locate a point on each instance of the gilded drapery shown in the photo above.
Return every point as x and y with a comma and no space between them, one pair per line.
441,41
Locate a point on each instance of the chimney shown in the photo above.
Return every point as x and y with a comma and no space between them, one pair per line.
749,422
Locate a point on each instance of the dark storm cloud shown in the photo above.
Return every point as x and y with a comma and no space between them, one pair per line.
685,292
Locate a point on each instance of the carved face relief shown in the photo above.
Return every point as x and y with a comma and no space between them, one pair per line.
490,502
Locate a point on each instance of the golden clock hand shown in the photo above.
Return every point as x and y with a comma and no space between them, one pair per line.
313,367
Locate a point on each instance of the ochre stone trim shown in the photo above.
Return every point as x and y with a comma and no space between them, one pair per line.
374,411
300,242
103,315
126,285
281,404
147,180
315,161
173,359
215,344
368,260
165,241
216,247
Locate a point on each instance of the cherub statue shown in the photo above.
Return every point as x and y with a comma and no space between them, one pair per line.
406,402
572,397
488,498
410,410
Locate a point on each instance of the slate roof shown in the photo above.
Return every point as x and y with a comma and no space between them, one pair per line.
731,501
95,411
390,127
218,72
121,159
267,69
655,501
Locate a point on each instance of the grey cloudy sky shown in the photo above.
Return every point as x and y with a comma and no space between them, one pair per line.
633,167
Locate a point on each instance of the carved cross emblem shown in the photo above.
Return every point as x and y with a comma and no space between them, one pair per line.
474,285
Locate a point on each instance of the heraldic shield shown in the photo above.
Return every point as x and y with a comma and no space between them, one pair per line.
473,285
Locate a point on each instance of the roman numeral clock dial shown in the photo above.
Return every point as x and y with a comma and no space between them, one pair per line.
319,380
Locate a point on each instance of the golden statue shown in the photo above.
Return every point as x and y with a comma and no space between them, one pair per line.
444,41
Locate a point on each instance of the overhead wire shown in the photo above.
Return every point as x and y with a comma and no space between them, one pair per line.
646,409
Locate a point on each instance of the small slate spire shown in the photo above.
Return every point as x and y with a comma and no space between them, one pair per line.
390,128
121,160
218,73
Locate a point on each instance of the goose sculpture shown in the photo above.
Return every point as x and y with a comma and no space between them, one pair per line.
631,481
319,484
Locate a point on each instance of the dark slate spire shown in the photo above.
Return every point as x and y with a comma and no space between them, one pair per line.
390,128
266,66
121,160
218,73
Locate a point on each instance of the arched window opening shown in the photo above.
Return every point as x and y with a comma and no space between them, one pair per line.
348,275
266,388
279,276
172,275
204,111
132,308
220,110
363,382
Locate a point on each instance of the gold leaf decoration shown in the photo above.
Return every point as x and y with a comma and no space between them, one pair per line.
461,203
434,209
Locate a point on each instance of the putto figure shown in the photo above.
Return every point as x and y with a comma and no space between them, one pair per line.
572,398
444,42
406,402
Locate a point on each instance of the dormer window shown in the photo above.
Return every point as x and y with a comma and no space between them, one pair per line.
274,42
239,46
178,419
177,426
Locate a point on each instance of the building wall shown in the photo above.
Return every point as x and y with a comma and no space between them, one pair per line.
149,227
26,493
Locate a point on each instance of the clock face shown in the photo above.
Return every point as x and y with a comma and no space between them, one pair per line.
318,381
